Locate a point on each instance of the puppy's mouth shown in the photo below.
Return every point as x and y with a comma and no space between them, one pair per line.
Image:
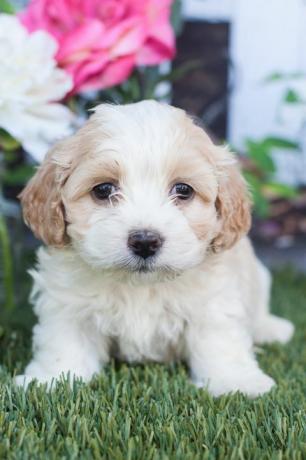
138,265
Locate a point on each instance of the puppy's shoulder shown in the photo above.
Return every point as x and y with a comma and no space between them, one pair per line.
58,269
231,262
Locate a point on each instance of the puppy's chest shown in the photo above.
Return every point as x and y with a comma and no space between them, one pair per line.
141,326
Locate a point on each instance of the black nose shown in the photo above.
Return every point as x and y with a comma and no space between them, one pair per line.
144,243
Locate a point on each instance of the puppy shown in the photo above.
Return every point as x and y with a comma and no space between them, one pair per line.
146,259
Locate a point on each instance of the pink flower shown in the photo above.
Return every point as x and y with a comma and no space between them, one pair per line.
101,41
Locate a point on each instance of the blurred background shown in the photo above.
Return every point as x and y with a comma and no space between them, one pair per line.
239,66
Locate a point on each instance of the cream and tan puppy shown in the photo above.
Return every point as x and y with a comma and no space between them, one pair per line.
144,220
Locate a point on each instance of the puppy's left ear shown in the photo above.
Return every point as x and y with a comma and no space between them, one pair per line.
233,202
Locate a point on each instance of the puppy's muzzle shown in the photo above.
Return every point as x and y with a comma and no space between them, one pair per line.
144,243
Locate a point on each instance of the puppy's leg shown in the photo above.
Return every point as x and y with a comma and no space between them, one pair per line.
221,358
268,328
60,348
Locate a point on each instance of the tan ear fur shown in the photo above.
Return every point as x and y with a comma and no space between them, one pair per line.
43,210
233,205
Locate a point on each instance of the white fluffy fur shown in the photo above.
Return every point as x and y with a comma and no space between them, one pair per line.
205,308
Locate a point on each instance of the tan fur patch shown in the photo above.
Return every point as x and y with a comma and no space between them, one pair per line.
233,205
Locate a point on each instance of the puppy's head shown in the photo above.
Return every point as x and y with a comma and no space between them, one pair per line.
139,188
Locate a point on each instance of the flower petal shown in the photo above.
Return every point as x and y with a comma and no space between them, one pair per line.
113,74
79,43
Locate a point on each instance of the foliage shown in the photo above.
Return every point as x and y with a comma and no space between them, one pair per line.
6,7
15,171
153,412
7,265
259,170
294,82
7,142
144,83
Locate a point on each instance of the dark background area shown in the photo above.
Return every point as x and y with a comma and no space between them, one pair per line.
204,90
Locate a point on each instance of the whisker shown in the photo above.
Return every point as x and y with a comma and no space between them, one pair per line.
116,195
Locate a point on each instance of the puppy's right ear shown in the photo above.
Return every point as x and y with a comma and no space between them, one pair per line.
233,202
43,209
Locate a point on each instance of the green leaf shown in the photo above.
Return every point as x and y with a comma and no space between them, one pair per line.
280,143
6,7
261,204
276,76
292,97
10,156
281,190
176,16
7,142
7,264
181,71
260,153
19,175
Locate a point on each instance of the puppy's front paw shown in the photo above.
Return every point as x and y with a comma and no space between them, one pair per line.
257,386
252,385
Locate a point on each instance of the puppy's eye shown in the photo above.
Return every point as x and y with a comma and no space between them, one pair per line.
103,191
182,191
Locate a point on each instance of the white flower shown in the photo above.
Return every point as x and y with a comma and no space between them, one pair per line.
30,83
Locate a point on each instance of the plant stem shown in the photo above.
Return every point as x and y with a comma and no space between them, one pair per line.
8,278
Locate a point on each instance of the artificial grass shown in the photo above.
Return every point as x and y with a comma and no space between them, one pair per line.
153,412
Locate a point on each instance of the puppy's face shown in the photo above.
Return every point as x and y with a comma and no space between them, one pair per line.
138,188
